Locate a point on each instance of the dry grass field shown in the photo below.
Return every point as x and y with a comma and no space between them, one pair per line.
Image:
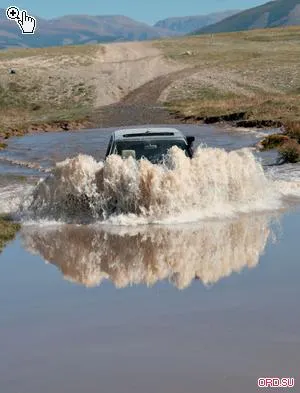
56,85
256,73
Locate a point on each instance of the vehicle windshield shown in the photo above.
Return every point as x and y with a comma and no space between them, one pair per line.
153,150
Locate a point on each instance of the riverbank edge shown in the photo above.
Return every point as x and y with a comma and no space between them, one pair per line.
8,231
235,120
37,128
291,130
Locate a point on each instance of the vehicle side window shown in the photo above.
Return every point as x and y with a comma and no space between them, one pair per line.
109,146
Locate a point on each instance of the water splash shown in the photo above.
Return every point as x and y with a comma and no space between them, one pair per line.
12,195
24,164
214,183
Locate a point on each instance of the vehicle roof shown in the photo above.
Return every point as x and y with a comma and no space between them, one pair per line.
138,133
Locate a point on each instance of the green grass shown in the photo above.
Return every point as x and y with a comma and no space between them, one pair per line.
8,230
290,151
274,141
287,143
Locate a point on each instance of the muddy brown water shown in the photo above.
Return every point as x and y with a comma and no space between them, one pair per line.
207,306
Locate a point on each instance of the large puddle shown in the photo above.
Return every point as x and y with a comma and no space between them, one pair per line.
189,283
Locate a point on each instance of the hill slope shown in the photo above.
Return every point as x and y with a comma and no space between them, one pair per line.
78,29
187,24
272,14
253,77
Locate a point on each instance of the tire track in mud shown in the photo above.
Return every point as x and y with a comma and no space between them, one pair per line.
141,106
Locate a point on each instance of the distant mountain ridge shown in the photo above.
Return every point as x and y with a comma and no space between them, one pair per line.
188,24
78,29
84,29
275,13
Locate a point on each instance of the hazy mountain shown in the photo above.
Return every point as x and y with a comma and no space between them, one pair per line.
187,24
78,29
272,14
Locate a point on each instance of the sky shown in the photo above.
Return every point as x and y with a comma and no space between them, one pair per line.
146,11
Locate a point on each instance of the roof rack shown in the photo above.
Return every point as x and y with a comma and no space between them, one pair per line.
149,134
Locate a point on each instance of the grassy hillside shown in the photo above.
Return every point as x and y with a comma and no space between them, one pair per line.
61,87
272,14
255,72
43,90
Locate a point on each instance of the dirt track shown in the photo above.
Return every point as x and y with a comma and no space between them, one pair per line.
142,105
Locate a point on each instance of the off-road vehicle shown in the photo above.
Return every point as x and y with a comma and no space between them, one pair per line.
150,143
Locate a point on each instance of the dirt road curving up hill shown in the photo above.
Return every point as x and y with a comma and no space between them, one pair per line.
142,105
244,75
70,83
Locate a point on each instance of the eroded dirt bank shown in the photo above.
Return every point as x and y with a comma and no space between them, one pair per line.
63,88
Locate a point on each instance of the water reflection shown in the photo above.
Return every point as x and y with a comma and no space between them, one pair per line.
208,251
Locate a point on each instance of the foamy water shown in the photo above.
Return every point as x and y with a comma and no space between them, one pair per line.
24,164
215,183
12,196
